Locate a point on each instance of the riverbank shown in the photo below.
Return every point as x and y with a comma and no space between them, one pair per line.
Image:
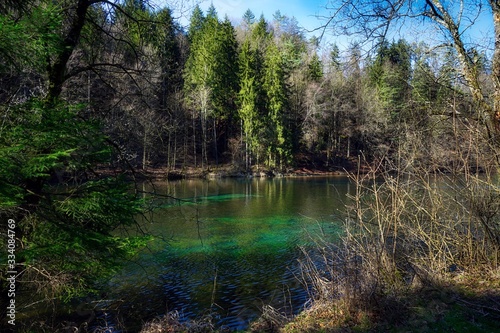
229,171
304,166
451,306
462,304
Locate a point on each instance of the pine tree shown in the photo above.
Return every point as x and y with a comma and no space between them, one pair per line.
279,152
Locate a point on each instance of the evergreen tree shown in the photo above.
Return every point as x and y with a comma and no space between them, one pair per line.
279,150
252,97
424,84
211,75
195,23
212,13
315,70
225,86
168,52
248,99
226,71
294,53
249,18
260,33
335,57
67,231
134,22
391,74
65,211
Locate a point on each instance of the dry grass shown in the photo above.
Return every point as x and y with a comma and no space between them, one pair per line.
171,323
270,321
407,230
329,317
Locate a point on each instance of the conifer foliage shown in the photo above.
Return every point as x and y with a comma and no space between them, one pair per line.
65,211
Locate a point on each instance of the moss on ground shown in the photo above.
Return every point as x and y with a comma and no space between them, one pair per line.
429,311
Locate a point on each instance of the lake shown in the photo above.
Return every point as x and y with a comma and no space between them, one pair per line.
228,247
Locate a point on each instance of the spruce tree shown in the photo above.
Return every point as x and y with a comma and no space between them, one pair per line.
66,212
315,70
279,151
248,100
195,23
249,18
391,73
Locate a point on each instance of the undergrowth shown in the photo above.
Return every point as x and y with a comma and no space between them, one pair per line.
420,254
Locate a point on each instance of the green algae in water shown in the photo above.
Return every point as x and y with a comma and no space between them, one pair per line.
240,234
231,247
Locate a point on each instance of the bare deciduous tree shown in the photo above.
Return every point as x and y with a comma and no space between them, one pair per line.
455,20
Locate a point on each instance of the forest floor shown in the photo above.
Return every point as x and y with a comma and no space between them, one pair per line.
452,307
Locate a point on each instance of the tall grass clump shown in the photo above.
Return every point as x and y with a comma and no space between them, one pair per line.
414,235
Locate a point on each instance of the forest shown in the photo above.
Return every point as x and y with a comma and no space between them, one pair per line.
95,94
254,94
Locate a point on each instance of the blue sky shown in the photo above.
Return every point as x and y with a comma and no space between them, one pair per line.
304,11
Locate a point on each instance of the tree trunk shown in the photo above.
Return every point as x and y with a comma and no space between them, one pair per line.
486,112
215,144
174,158
194,138
203,140
495,70
246,152
57,70
144,151
169,150
348,146
203,121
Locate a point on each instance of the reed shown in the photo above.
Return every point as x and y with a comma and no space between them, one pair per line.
409,229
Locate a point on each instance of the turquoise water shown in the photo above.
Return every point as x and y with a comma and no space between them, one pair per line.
228,247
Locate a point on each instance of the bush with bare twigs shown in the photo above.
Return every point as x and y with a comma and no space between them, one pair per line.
409,229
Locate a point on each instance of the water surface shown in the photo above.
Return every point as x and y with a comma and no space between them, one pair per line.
229,247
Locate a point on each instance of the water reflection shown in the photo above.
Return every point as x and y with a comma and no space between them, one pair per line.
229,247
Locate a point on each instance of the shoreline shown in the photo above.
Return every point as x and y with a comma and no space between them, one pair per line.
231,172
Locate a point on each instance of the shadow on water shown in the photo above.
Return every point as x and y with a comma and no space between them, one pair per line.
230,285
